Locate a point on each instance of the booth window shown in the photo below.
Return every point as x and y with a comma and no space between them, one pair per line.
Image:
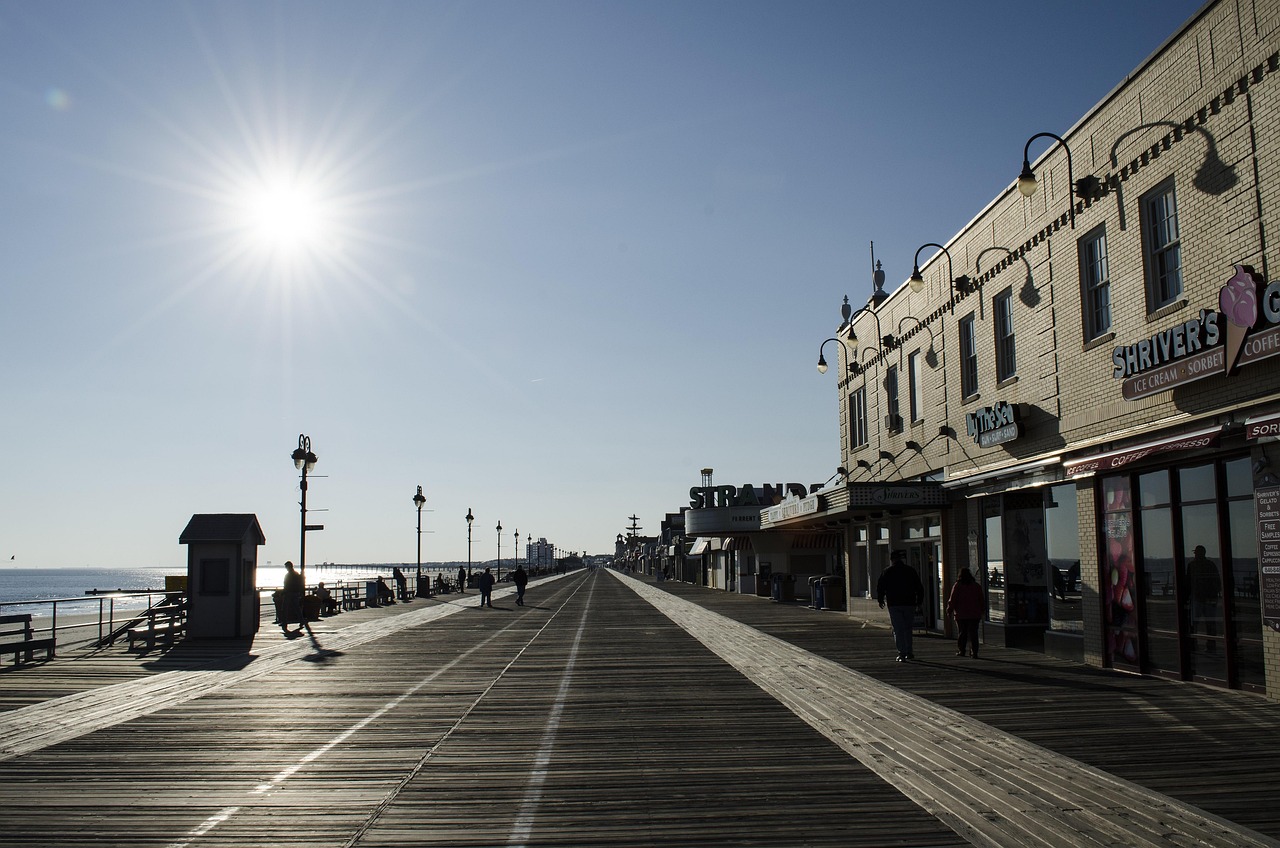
1095,283
1161,245
215,576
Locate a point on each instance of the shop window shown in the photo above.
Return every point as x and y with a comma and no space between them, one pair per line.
1162,246
968,357
916,401
1062,544
993,578
858,418
1119,580
1006,357
1095,284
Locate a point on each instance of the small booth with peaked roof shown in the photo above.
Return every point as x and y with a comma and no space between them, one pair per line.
222,571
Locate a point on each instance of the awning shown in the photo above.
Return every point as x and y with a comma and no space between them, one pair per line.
815,542
1262,426
738,543
1135,453
699,546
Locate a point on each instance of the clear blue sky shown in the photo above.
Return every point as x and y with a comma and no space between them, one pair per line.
545,259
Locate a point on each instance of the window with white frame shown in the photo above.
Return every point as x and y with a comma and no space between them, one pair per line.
1161,246
1006,355
858,418
914,387
1095,283
968,356
893,421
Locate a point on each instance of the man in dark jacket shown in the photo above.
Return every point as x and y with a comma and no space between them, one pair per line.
520,577
899,586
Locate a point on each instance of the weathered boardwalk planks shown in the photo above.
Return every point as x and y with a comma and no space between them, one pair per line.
586,718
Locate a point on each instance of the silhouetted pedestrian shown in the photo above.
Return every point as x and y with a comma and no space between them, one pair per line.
967,605
402,588
291,598
485,583
521,579
462,579
899,586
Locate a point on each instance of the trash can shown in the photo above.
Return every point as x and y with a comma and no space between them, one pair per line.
815,592
775,593
371,598
311,608
788,587
833,593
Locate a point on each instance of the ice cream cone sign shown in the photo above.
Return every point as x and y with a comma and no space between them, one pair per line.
1238,301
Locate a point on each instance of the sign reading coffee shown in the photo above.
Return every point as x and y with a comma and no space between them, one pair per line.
994,425
1241,331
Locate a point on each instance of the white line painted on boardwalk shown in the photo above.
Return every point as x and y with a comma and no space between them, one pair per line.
990,787
523,826
58,720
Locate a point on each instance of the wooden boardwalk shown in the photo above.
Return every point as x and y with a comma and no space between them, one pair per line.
608,712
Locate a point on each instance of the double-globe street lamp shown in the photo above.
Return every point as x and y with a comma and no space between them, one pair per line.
304,460
423,591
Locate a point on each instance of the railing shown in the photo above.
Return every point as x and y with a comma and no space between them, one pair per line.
84,620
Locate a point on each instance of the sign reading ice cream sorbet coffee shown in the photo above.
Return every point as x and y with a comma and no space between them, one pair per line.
1242,330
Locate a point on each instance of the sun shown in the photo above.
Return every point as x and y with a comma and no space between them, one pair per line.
285,215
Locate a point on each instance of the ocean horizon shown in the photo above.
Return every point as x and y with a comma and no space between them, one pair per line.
72,585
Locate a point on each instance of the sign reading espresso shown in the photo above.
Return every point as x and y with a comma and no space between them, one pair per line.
1241,331
994,425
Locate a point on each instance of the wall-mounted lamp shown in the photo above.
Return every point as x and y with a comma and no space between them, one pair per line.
822,360
1085,188
961,284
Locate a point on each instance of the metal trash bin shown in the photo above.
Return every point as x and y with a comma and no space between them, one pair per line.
833,592
775,587
815,592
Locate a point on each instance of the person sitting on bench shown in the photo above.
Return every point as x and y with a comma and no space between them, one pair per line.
328,604
385,595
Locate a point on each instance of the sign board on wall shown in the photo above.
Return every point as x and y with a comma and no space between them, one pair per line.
994,425
1267,503
1244,329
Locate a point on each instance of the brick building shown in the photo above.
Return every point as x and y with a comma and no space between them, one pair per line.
1080,390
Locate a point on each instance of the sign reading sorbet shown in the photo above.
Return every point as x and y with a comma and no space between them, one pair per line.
1212,343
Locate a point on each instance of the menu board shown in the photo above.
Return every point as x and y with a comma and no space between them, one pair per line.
1267,502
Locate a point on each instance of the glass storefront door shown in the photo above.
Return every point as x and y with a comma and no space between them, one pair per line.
1193,546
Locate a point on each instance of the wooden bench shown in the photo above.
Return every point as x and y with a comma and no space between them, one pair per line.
351,597
164,622
17,637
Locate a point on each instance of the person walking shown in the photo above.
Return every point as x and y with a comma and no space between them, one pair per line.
521,579
485,583
966,605
462,580
291,599
899,587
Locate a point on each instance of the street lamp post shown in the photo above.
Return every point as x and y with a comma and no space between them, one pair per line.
418,500
470,518
304,460
499,577
515,553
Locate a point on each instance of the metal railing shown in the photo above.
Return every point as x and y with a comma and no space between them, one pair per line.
86,619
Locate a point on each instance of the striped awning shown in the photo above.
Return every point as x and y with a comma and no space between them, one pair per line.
739,543
815,542
700,546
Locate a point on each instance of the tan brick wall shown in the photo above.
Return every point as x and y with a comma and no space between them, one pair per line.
1204,112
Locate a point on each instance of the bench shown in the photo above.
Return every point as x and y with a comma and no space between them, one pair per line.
350,597
164,622
17,637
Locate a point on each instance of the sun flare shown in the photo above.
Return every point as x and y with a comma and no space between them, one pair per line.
285,215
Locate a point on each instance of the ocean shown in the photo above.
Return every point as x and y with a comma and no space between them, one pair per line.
42,584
